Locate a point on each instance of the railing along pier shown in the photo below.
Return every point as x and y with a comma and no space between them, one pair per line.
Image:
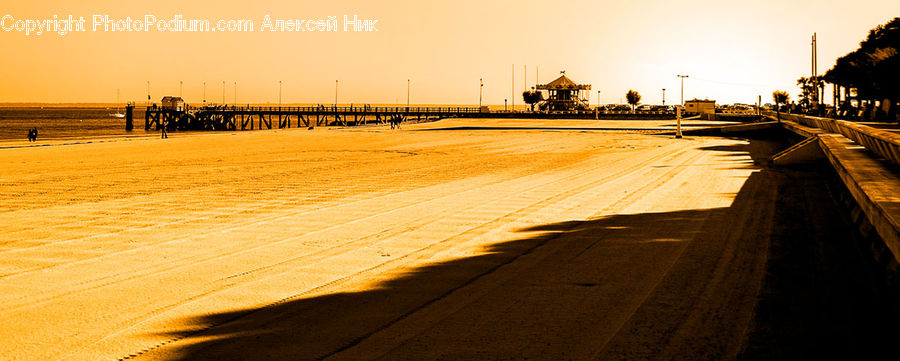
269,117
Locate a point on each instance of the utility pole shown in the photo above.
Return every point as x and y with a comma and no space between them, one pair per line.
815,83
682,87
480,89
279,93
664,96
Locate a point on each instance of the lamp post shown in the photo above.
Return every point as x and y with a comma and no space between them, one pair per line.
335,92
204,93
678,118
664,96
223,92
235,93
181,89
407,94
682,87
513,89
148,93
598,99
279,93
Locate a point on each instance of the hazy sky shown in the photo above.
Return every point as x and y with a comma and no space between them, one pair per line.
732,51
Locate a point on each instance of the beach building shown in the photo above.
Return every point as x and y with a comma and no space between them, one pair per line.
564,94
173,103
698,106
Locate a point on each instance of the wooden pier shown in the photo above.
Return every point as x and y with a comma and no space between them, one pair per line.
232,118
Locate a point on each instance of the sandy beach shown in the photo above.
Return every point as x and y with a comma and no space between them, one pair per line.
361,243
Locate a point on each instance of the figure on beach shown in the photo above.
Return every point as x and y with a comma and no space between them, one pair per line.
165,133
32,134
395,121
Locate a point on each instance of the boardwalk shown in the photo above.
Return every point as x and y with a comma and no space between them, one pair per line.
359,243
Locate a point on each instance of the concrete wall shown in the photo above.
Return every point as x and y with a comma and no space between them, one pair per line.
872,183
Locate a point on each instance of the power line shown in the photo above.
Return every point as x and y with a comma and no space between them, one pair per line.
726,82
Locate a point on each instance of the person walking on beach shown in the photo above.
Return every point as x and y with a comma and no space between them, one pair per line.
165,134
30,135
34,134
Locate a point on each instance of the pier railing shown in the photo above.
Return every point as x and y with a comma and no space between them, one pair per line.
883,143
327,109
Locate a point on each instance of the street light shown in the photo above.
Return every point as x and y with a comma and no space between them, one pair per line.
235,93
204,93
335,92
680,108
682,87
407,94
181,89
279,93
664,96
148,93
223,92
598,98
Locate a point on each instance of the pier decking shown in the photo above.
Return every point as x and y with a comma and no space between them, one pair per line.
230,118
268,117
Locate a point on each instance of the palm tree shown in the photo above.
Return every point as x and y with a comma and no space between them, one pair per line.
634,98
808,89
779,96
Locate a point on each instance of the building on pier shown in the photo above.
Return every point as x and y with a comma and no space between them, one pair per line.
565,94
173,103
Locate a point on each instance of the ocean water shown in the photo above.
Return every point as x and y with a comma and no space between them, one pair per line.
66,123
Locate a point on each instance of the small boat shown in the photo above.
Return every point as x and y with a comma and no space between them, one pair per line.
118,113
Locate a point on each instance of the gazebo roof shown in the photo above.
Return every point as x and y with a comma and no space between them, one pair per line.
563,83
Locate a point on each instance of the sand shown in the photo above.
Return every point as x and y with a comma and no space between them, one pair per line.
360,243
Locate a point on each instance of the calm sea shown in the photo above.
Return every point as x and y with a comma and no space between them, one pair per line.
66,123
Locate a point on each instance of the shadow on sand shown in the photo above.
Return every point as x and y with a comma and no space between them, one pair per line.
569,290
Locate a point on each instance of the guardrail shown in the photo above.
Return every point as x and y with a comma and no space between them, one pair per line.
885,144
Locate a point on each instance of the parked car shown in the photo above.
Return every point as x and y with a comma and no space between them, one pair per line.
644,108
664,108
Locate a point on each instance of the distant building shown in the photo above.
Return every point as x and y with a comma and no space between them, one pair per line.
173,103
564,94
698,106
